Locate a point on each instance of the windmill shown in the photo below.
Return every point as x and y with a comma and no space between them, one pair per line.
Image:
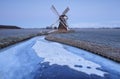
62,19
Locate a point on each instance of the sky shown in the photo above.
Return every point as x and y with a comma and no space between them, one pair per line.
38,13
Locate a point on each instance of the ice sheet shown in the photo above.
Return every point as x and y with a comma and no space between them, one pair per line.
55,53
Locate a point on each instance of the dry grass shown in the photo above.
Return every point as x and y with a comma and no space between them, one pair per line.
7,41
106,51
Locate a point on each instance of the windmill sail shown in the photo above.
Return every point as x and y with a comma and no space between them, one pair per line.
62,19
54,10
65,11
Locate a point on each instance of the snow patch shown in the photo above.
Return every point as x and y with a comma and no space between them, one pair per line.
55,53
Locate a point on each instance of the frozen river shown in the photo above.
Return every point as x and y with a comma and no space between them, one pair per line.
41,59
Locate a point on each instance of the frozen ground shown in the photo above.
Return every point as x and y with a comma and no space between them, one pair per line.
5,33
11,36
41,59
104,42
107,37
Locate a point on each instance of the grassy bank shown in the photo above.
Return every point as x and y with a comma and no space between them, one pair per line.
95,43
12,36
104,42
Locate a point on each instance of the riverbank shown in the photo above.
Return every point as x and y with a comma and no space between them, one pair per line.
12,36
104,42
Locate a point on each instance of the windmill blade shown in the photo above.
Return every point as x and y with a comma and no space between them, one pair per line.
65,11
63,23
54,10
59,21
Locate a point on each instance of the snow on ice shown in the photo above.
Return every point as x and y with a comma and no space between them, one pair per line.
55,53
23,60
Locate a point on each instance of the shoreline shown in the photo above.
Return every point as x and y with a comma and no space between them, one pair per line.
11,40
102,50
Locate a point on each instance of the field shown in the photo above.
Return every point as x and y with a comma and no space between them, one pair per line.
11,36
108,37
105,42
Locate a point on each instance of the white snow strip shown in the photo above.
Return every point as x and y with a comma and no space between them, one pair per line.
54,53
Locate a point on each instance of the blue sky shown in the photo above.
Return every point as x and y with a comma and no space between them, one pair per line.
37,13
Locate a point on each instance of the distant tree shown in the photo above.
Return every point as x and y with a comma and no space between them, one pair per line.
55,27
48,27
116,28
9,27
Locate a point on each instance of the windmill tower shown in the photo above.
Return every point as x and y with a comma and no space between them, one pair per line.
62,19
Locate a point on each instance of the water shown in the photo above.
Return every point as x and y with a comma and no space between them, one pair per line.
41,59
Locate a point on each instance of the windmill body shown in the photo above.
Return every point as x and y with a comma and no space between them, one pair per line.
63,23
62,19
